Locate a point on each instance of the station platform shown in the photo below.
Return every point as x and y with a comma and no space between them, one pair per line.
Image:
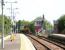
21,42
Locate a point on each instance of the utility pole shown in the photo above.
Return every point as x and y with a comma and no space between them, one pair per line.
2,7
11,11
14,23
2,4
13,17
11,3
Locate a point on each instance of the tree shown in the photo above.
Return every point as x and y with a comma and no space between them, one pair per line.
21,23
7,24
61,23
18,24
32,27
48,25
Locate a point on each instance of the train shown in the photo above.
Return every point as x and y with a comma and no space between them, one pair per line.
25,30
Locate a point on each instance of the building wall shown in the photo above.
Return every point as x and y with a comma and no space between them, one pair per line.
38,26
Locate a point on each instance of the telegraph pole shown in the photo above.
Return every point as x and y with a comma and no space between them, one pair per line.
2,3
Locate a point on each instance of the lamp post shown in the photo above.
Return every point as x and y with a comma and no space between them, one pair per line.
11,6
14,23
2,3
11,10
13,17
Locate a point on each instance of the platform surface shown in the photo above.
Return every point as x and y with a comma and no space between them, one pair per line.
21,42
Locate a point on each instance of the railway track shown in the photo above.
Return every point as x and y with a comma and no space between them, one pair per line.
45,43
38,45
57,41
53,42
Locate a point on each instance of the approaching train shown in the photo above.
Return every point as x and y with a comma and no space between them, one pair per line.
59,37
25,29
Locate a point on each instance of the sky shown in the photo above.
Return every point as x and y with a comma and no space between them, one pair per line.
31,9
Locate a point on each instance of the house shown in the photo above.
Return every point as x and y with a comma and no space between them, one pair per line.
38,23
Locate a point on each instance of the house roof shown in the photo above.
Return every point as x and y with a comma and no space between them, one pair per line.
38,19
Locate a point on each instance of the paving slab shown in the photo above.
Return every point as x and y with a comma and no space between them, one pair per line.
21,42
14,45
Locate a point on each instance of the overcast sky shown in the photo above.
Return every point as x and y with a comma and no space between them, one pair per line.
31,9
